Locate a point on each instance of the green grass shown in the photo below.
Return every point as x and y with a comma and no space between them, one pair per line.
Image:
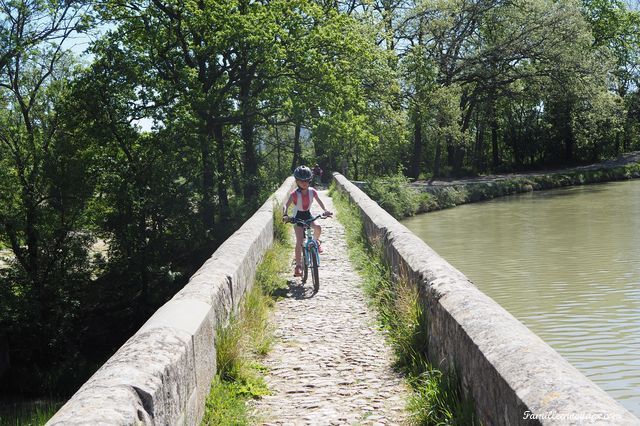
248,337
395,195
437,397
28,413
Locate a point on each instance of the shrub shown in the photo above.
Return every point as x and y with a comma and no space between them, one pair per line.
394,194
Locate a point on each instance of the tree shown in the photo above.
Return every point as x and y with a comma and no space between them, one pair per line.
26,24
487,47
616,27
46,184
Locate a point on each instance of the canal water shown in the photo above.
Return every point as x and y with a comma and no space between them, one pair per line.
566,263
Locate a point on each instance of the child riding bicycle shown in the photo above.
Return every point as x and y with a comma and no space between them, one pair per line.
302,198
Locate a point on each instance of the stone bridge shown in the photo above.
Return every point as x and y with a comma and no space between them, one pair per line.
331,364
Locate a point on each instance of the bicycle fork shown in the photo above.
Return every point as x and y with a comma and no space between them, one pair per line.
308,252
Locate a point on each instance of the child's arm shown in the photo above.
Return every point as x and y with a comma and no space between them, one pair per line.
285,210
317,197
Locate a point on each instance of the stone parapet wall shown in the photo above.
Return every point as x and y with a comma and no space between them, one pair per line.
513,377
162,375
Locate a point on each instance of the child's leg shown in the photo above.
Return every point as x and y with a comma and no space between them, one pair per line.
317,230
299,239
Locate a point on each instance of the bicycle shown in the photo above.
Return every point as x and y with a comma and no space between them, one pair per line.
310,254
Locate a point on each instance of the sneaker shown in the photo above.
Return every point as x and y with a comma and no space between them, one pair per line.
320,247
298,271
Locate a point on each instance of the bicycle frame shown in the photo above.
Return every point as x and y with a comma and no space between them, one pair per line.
310,243
311,256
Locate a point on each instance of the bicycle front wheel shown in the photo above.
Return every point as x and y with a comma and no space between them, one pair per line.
315,275
305,268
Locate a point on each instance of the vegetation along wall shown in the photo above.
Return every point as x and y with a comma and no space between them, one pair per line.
510,373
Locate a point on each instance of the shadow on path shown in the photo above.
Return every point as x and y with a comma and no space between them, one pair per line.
295,290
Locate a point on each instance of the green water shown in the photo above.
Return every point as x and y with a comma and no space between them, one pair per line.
566,263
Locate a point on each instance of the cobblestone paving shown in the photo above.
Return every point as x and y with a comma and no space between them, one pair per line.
330,364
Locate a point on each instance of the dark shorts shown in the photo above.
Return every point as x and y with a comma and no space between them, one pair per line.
303,215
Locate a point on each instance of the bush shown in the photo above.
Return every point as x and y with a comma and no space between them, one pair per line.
394,194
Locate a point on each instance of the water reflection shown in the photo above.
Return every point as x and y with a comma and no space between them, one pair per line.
566,263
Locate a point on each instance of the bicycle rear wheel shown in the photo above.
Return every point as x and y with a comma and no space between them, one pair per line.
315,275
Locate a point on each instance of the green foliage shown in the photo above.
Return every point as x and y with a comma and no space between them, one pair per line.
546,81
239,377
437,400
616,27
28,413
225,405
231,94
437,397
395,195
47,182
280,229
442,197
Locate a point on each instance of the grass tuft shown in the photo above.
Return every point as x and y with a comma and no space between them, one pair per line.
280,230
247,338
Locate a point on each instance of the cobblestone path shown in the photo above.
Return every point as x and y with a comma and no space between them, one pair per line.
330,364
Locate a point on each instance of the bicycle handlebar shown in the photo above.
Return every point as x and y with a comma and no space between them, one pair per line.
295,221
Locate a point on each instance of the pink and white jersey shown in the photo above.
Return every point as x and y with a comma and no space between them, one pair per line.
303,202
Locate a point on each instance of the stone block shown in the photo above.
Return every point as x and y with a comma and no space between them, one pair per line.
196,318
156,364
100,405
213,286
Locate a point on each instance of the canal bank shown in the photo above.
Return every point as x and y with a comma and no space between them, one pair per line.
442,194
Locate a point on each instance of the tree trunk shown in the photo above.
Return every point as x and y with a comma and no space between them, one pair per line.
250,161
458,159
207,208
478,157
567,132
143,254
436,161
223,198
417,146
247,132
628,131
278,153
32,239
297,150
450,153
494,143
356,171
569,143
515,145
